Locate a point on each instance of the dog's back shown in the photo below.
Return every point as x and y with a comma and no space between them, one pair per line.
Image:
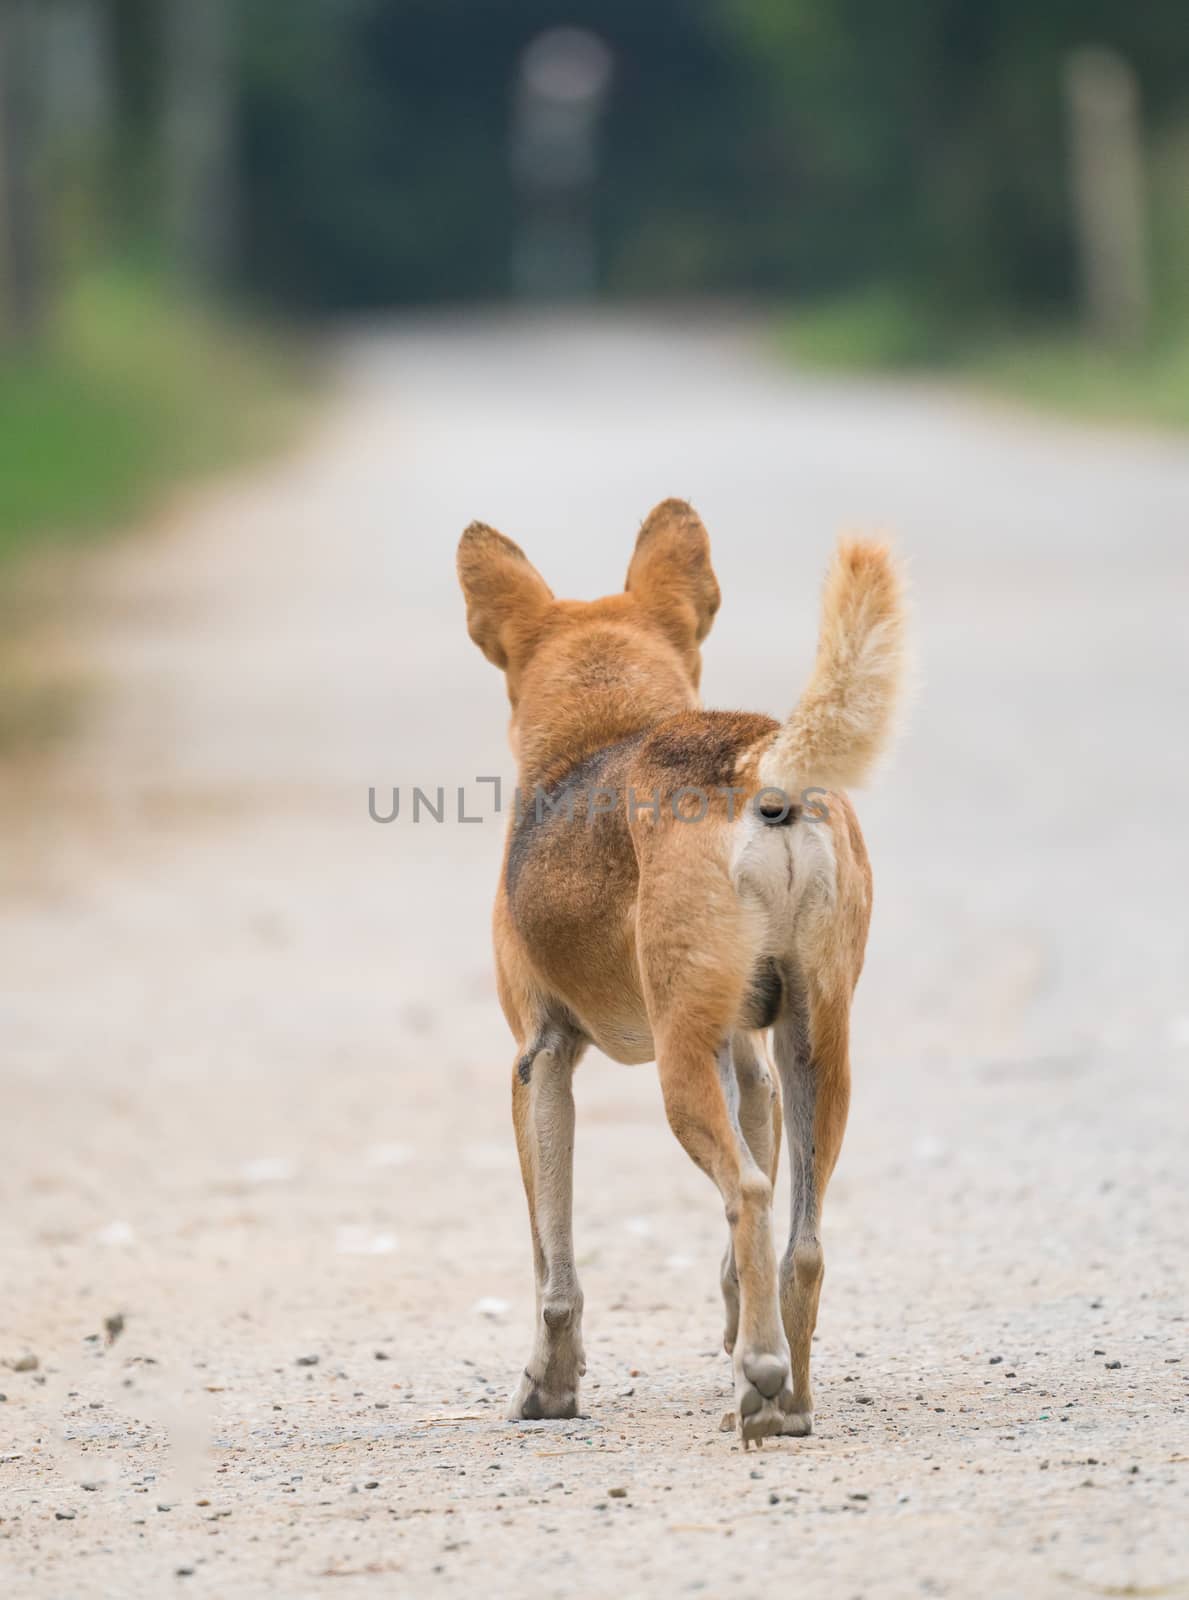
571,883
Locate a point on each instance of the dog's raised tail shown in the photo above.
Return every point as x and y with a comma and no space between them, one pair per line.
847,717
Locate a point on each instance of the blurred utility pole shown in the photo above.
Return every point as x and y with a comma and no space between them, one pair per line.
21,262
560,95
199,114
1108,189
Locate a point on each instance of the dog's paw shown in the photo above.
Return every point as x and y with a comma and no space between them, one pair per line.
793,1424
763,1397
764,1402
531,1401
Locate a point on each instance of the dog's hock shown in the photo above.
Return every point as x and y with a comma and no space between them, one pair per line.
558,1314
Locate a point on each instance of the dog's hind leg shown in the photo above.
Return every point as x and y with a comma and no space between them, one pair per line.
700,1116
751,1093
812,1058
543,1114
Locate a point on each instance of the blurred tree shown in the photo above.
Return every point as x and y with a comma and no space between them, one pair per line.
22,267
199,98
136,52
1109,194
77,120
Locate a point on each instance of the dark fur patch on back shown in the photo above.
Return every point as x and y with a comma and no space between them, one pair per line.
700,748
576,786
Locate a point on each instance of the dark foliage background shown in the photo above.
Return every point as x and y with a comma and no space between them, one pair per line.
749,145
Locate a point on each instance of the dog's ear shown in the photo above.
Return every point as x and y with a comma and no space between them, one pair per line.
506,596
670,574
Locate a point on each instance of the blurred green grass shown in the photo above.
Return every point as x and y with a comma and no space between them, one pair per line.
137,388
1050,368
883,330
1062,371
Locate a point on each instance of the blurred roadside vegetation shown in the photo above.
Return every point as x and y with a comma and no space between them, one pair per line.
137,386
129,359
1046,359
901,177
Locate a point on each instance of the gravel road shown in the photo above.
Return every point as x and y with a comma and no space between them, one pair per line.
261,1228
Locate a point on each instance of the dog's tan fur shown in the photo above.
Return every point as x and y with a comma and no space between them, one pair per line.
633,926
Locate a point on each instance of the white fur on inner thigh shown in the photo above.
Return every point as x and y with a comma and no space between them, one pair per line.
787,878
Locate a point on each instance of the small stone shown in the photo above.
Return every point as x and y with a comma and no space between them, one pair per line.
184,1572
727,1425
26,1363
64,1516
773,1499
382,1355
864,1400
995,1361
859,1495
89,1487
113,1326
1113,1366
308,1361
372,1483
617,1494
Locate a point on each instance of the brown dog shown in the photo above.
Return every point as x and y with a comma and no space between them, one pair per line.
670,891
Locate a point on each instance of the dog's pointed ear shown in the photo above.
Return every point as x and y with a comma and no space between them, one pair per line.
670,574
506,596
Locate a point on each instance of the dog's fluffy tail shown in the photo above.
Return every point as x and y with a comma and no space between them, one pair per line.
847,716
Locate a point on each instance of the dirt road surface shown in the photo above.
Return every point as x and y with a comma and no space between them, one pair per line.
255,1079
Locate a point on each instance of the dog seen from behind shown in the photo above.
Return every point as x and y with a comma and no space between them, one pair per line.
678,885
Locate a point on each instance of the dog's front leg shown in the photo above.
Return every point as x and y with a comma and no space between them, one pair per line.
543,1115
